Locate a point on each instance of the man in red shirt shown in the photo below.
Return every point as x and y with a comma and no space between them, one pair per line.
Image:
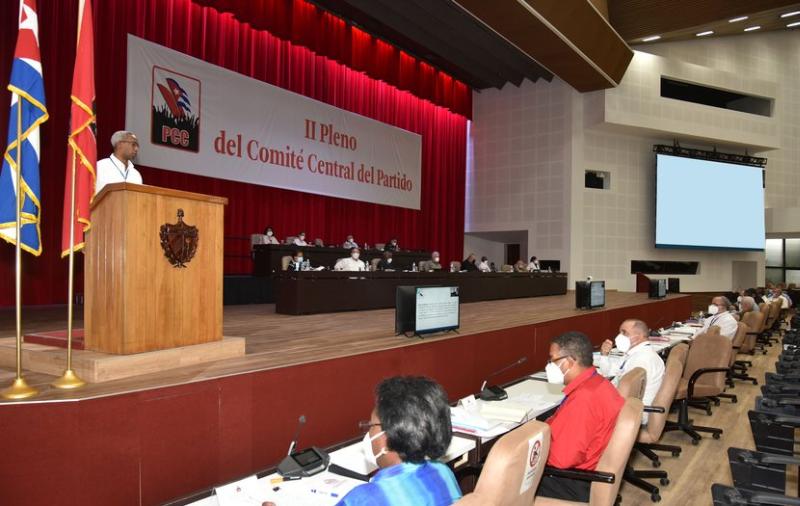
582,425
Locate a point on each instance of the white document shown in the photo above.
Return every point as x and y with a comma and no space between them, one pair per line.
245,492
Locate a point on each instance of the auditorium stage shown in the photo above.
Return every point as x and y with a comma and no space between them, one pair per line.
275,340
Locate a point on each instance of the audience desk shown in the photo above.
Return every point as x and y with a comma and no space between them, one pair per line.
326,291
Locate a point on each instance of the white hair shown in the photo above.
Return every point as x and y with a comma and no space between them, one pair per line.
119,136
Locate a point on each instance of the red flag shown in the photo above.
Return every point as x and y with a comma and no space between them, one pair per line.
82,143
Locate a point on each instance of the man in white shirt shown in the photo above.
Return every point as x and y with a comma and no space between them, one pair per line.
634,343
300,240
118,168
350,243
352,263
721,317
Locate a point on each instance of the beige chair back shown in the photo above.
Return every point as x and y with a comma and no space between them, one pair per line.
709,351
775,310
380,245
507,268
633,383
755,321
738,341
651,432
285,261
615,457
290,239
455,266
513,469
374,262
257,239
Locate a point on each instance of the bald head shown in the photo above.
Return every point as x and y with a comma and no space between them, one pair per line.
636,330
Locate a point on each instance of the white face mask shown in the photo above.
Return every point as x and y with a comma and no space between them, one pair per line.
349,239
436,259
623,343
554,374
355,256
713,309
388,260
366,447
299,259
302,238
269,233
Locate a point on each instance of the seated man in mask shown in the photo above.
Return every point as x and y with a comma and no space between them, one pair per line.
408,430
386,262
720,315
431,265
583,423
633,341
351,263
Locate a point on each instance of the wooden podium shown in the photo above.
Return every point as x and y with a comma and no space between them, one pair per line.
140,294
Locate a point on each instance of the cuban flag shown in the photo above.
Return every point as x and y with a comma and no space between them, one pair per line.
176,98
27,113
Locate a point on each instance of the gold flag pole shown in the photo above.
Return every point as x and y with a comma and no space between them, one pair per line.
69,379
19,389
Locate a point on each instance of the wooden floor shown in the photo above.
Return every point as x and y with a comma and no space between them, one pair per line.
275,340
692,474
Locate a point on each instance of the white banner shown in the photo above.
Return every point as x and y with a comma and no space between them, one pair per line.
195,117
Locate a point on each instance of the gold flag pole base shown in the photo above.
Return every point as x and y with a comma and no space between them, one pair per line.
18,390
68,381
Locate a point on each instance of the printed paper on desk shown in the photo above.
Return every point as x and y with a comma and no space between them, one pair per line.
244,492
532,462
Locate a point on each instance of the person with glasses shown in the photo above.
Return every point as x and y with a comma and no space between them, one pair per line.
584,421
408,431
118,167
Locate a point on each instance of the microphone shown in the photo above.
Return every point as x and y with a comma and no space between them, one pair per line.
494,392
300,422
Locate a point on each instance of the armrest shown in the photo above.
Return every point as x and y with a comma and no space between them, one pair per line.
696,376
773,499
580,474
654,409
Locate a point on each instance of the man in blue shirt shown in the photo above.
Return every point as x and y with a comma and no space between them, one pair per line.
409,429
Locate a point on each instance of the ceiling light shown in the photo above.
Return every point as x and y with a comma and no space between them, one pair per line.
790,14
792,25
707,32
736,20
751,28
651,39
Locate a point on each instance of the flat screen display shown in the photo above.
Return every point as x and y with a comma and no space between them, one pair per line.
597,293
436,309
693,202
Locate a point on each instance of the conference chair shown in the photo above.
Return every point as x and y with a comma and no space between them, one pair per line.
633,383
374,263
703,377
455,266
650,434
380,245
607,477
736,344
290,240
285,261
756,321
507,268
504,472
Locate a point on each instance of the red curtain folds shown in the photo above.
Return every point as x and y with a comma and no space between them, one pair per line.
221,39
304,24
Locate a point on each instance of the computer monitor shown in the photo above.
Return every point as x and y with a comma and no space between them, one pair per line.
590,294
658,289
426,309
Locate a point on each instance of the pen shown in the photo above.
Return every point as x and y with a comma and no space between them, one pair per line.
316,491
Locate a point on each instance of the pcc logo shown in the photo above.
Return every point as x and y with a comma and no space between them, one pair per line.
175,116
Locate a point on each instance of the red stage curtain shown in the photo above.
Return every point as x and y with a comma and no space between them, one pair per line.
305,25
221,39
